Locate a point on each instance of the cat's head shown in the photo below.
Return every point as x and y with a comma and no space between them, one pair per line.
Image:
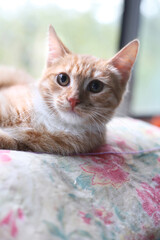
82,88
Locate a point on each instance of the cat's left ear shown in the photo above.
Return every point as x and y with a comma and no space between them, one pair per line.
124,60
56,48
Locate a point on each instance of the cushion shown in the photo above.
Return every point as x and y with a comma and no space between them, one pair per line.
113,193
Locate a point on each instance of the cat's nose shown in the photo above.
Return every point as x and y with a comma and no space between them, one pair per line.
73,102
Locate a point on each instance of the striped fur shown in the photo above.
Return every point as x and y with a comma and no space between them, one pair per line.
37,116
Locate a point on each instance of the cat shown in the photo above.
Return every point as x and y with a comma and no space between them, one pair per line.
66,111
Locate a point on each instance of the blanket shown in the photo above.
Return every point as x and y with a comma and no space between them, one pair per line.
111,194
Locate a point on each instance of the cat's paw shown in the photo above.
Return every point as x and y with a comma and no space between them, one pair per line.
7,142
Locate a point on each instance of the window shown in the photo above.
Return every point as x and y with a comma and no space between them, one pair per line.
88,27
146,90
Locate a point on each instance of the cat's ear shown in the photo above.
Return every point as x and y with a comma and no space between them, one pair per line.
124,60
56,48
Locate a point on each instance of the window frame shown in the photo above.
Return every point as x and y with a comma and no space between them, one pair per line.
128,31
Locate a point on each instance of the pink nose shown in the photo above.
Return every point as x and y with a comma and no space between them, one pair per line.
73,102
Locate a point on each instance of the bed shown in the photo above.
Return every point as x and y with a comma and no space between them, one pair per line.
111,194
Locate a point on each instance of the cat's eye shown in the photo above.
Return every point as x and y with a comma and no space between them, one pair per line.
63,79
95,86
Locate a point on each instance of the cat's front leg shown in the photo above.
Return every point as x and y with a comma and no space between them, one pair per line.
7,142
59,142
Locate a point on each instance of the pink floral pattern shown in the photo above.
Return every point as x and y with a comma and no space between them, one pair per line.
150,197
104,216
123,145
85,217
10,220
4,157
100,213
107,169
142,237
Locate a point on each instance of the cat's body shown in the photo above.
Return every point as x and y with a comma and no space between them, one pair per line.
27,123
66,111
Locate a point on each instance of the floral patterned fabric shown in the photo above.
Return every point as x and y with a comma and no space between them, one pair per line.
108,196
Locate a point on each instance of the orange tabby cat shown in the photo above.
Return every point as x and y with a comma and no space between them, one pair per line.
67,110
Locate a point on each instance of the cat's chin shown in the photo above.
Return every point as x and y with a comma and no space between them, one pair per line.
71,117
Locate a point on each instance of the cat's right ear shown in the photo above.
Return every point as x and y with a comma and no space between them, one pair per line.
56,48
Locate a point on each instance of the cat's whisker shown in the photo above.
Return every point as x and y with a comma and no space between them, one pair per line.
100,117
97,122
